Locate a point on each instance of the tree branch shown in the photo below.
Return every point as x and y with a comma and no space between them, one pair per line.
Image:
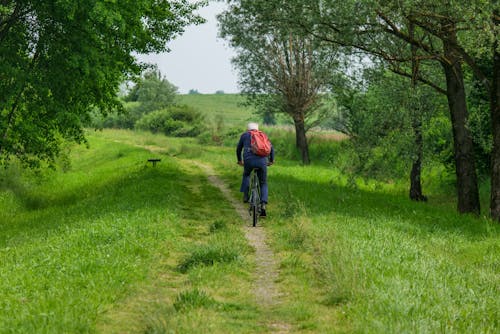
394,30
467,58
15,105
9,22
419,78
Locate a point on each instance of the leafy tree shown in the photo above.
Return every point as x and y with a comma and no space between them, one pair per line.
409,36
61,59
376,114
468,33
280,69
193,91
153,91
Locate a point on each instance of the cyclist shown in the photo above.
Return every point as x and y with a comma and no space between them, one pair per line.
251,161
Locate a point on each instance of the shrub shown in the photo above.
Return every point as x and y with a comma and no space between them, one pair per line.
220,136
177,121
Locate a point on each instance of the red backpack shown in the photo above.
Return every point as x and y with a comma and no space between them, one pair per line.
259,143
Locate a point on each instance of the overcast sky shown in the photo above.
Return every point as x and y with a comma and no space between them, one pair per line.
199,59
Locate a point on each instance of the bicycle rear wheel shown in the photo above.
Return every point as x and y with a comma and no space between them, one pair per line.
255,206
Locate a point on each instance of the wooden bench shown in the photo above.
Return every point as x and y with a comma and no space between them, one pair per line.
154,161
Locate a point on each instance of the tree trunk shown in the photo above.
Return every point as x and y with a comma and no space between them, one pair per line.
495,124
416,169
416,123
467,189
8,124
301,139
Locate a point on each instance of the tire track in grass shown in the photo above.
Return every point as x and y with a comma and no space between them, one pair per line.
266,291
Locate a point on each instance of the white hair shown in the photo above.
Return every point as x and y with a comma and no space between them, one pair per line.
252,126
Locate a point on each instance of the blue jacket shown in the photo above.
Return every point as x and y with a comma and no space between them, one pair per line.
244,145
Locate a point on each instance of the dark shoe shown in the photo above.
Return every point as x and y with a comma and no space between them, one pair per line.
245,198
263,210
263,213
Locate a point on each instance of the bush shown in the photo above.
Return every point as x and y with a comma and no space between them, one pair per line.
220,136
117,120
177,121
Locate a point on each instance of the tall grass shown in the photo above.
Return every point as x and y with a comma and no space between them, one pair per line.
387,264
114,245
82,247
358,256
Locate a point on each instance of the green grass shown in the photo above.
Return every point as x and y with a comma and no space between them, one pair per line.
365,259
225,108
93,249
114,245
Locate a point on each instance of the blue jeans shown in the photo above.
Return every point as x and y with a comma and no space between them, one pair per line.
250,164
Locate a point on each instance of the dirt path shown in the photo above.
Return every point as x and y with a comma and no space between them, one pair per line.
266,291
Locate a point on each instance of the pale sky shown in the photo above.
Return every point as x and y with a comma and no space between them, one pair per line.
199,59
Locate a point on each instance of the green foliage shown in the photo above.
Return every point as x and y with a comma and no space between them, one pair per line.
379,121
153,91
370,259
218,225
177,121
118,120
58,60
109,235
281,68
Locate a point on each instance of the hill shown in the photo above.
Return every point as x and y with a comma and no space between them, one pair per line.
228,107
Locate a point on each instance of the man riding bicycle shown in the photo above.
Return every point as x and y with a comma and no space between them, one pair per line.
249,161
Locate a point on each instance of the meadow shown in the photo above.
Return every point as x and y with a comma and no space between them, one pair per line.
228,109
107,243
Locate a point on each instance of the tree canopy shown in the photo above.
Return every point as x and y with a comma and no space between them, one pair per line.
154,92
61,59
281,70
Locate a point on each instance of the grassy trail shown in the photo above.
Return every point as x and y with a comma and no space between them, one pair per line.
266,294
113,245
266,273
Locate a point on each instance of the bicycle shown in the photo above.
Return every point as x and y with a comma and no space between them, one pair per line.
254,198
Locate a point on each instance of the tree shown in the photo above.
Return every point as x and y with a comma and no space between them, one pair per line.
495,121
61,59
280,69
153,91
469,33
376,111
387,31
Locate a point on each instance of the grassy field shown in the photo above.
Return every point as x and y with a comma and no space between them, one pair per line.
112,245
225,108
